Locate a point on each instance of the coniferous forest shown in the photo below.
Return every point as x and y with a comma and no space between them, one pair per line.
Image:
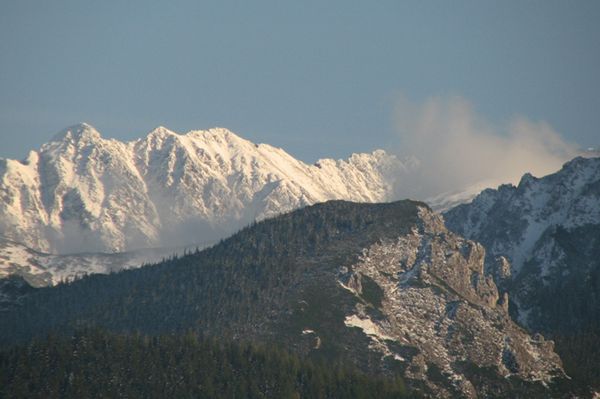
95,363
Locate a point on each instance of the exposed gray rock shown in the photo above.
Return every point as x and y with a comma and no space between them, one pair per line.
436,299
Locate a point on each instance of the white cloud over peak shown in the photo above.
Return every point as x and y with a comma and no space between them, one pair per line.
458,148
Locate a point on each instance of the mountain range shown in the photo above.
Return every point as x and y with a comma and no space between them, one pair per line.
456,304
83,193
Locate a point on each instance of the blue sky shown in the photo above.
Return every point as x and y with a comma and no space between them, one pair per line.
318,78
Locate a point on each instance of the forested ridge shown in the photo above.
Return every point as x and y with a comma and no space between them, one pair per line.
241,284
265,284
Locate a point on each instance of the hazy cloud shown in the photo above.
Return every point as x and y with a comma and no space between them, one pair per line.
457,148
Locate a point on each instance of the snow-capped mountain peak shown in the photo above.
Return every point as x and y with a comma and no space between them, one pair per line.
81,192
78,132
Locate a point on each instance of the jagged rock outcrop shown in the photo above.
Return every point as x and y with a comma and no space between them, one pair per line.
427,302
549,230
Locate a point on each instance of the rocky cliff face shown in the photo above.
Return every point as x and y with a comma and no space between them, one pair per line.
83,193
438,313
549,230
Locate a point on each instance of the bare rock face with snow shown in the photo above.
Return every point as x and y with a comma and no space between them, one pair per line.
439,314
83,193
549,230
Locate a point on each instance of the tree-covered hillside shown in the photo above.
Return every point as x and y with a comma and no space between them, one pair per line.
94,364
269,282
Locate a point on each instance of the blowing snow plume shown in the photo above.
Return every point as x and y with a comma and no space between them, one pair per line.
458,149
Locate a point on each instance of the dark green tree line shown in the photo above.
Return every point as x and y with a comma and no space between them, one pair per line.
94,364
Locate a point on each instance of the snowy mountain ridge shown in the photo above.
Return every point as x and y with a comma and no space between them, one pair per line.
568,198
83,193
549,230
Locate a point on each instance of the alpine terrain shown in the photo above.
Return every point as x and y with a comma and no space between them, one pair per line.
83,193
385,287
87,197
543,242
